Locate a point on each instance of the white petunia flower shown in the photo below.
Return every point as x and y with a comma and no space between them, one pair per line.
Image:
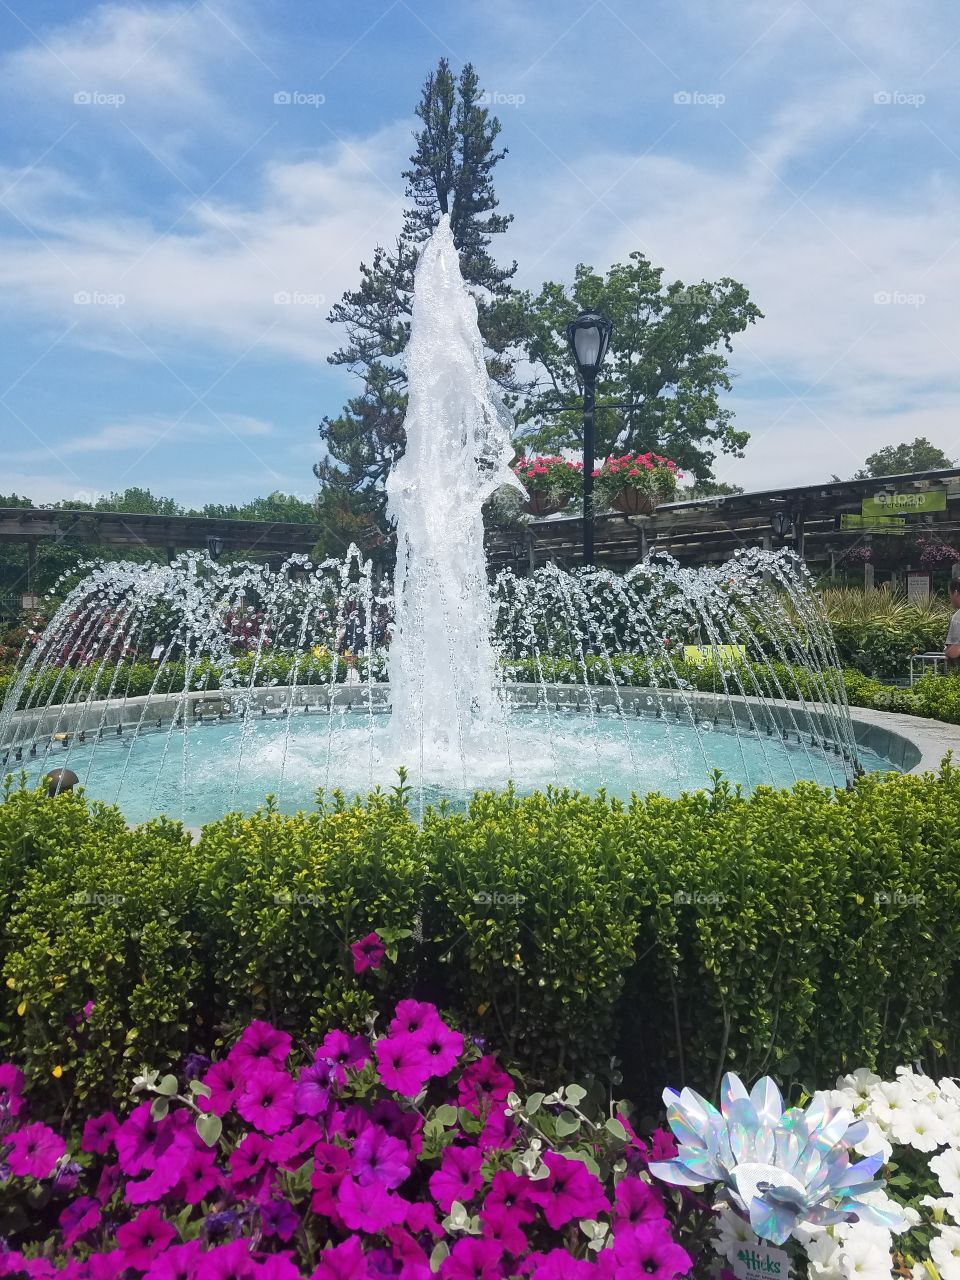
733,1232
946,1166
865,1255
948,1206
824,1258
945,1252
859,1082
918,1127
874,1143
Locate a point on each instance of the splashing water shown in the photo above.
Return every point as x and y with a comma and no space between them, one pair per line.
443,671
276,682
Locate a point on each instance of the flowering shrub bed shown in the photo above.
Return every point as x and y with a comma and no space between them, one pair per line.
679,936
409,1152
402,1154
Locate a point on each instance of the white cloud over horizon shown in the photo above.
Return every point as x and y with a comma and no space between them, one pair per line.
199,233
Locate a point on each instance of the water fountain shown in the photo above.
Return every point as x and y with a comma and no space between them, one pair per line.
284,682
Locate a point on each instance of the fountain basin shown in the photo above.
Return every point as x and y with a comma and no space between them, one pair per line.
139,753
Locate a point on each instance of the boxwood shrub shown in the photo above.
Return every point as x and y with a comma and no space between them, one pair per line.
799,932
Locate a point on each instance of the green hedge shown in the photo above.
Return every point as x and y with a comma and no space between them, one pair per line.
802,932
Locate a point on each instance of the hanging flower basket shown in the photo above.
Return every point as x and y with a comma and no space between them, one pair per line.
633,502
544,504
636,483
550,483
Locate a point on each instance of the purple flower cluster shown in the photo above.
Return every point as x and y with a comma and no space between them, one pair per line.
396,1158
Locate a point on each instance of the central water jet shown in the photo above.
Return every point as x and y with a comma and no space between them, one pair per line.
443,668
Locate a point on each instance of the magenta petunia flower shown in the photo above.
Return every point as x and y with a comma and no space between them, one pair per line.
36,1150
331,1164
405,1125
420,1216
266,1101
558,1264
412,1016
279,1218
229,1262
499,1132
458,1178
376,1157
403,1064
443,1046
636,1202
261,1045
505,1227
472,1259
224,1080
288,1150
649,1250
343,1262
142,1239
571,1191
12,1102
249,1158
79,1218
164,1175
312,1096
278,1266
482,1083
137,1140
199,1176
368,953
98,1133
179,1262
368,1208
343,1051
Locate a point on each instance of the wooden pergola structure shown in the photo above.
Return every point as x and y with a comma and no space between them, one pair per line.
165,534
714,529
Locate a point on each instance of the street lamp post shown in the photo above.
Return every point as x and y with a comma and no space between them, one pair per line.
589,337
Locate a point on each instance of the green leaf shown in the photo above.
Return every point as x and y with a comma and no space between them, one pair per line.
446,1114
615,1127
199,1090
209,1128
575,1094
566,1123
440,1251
159,1108
168,1086
534,1103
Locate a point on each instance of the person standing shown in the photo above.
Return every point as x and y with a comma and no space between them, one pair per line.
952,648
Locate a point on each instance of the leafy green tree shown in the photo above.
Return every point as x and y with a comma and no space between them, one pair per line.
709,489
668,356
901,459
451,171
283,508
138,501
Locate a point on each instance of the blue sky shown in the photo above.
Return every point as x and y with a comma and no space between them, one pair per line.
158,195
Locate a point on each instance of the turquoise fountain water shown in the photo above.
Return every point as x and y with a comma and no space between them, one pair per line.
464,683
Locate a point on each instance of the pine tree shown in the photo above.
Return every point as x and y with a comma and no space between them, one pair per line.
450,172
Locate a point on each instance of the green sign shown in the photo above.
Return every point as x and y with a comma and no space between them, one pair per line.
919,502
873,524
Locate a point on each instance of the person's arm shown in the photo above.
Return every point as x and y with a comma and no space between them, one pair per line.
952,652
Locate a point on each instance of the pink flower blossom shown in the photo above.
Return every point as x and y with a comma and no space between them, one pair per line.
267,1100
12,1102
376,1157
261,1045
458,1178
412,1016
482,1082
472,1259
343,1262
224,1080
636,1202
142,1239
229,1262
403,1064
343,1051
649,1250
368,953
36,1150
78,1218
98,1133
179,1262
368,1208
571,1191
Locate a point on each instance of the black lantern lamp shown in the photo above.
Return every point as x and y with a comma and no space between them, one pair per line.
589,338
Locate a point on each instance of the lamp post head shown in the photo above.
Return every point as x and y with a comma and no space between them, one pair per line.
589,338
214,547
